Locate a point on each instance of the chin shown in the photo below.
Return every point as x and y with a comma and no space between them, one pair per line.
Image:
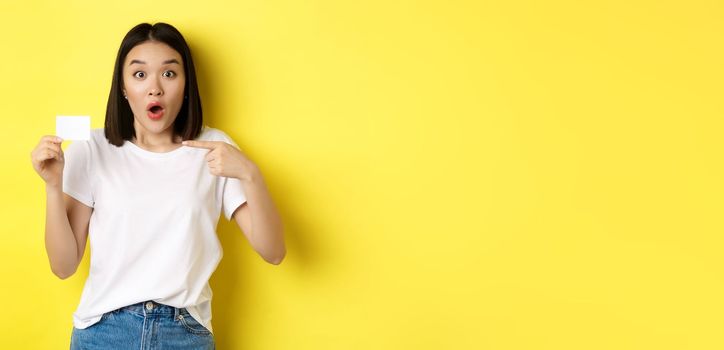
155,127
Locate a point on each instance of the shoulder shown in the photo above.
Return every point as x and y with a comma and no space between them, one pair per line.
84,146
212,134
96,144
79,150
98,140
97,135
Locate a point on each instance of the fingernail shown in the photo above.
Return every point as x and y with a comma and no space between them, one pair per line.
58,139
184,143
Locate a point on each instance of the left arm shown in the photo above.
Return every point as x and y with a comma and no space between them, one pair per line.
258,217
259,220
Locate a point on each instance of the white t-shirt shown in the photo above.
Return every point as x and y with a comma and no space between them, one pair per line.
153,227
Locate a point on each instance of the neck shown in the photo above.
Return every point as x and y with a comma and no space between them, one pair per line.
157,142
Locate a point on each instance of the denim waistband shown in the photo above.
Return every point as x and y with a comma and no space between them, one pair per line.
150,307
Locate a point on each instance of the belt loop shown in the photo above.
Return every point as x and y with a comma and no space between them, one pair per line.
175,313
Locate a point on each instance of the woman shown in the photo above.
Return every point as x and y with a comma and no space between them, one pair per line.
150,188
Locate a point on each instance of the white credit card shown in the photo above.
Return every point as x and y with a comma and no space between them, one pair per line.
72,127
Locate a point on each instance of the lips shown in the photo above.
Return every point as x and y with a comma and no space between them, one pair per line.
155,110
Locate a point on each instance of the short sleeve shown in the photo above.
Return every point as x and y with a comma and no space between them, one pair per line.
76,178
233,194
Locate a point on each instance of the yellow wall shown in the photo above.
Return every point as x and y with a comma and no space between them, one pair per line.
452,174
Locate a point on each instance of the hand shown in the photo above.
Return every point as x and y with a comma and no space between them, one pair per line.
48,160
225,160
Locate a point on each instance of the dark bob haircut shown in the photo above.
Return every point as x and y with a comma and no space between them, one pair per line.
119,117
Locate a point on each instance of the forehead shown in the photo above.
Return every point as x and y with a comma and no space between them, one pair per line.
153,53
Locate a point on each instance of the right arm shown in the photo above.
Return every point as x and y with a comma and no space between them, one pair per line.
66,219
66,230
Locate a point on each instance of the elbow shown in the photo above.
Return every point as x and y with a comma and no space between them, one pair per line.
63,274
275,255
276,259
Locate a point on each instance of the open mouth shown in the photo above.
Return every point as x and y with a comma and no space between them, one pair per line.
155,110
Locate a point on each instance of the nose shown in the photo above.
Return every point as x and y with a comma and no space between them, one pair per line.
155,92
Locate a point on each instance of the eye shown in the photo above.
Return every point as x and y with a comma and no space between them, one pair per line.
169,74
139,74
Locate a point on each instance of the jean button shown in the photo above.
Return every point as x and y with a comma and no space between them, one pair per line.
149,305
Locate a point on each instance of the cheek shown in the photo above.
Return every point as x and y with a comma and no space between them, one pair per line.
176,92
135,90
178,86
136,100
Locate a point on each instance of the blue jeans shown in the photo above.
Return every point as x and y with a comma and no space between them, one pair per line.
146,325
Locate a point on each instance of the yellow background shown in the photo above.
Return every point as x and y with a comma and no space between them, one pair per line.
451,174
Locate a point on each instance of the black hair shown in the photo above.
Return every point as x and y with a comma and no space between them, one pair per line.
119,117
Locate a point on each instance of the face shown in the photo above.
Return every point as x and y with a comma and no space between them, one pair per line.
153,83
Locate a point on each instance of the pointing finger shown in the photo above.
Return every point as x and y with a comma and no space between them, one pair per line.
202,144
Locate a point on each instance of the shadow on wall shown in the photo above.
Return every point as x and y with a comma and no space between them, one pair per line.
232,284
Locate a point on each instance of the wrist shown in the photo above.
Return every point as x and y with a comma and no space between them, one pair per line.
51,188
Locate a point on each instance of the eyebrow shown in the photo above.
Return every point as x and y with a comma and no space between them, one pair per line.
173,60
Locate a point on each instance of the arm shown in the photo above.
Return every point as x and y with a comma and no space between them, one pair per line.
66,219
260,221
66,230
258,218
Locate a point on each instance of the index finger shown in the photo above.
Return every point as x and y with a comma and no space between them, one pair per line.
202,144
51,138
